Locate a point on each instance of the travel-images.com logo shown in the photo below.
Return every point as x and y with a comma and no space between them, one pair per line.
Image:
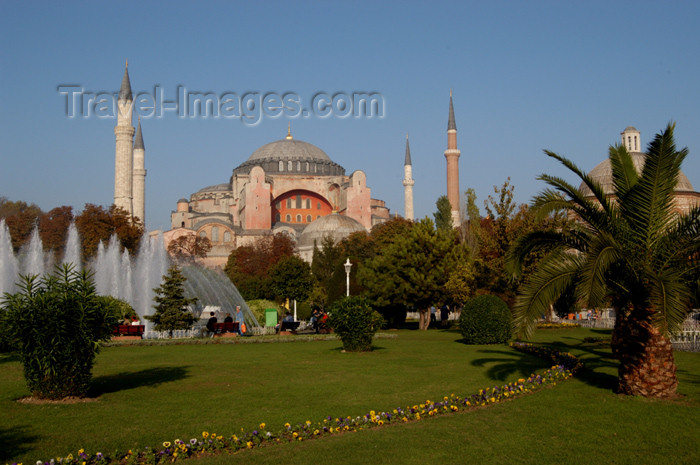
249,107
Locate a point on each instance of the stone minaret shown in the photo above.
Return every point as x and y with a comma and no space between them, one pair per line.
139,178
631,139
124,156
408,183
452,155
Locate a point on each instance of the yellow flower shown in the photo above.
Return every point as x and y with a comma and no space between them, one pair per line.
294,434
316,432
308,422
287,425
174,454
404,419
166,444
70,457
371,412
380,422
249,445
80,451
262,425
205,434
346,427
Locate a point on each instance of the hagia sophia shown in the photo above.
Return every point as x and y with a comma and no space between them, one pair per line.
291,186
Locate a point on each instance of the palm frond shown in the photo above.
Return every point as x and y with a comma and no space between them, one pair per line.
603,252
623,172
595,188
538,240
669,298
542,288
649,204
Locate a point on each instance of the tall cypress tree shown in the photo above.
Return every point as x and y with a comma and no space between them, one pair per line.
172,310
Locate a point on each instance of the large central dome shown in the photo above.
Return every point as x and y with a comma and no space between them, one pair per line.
289,149
290,156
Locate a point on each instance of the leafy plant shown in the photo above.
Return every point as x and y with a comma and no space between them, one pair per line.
55,323
485,319
355,322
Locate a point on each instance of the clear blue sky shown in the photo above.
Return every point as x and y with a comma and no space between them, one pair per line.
565,76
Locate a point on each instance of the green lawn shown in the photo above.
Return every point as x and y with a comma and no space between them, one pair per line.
146,395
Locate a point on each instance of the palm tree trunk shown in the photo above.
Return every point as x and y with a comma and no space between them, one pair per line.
647,367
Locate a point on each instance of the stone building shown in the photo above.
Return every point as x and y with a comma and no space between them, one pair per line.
284,186
685,196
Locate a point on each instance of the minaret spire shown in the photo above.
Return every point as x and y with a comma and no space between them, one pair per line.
124,147
139,177
125,89
452,155
408,183
289,131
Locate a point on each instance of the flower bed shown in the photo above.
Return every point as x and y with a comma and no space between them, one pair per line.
557,325
565,365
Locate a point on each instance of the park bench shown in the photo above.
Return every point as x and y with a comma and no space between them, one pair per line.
289,327
230,327
129,331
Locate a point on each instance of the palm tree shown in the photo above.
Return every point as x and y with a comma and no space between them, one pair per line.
630,249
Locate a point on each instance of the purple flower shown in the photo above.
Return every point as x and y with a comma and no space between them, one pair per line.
255,432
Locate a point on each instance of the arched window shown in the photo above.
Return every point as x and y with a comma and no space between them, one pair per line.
289,218
289,165
278,217
298,166
308,218
298,202
318,206
281,167
227,236
215,234
289,202
307,166
202,234
298,218
308,204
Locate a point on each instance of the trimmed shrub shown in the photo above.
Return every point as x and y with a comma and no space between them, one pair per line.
485,319
55,323
354,321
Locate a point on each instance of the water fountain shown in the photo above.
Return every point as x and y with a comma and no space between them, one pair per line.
214,289
9,267
117,274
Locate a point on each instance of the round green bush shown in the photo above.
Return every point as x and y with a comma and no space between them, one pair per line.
354,321
485,319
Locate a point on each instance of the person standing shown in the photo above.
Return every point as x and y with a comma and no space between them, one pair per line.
240,320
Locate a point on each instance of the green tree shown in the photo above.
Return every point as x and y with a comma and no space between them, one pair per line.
413,270
172,307
443,215
291,279
248,266
630,249
55,323
471,227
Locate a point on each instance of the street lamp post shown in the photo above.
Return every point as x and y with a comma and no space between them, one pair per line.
347,265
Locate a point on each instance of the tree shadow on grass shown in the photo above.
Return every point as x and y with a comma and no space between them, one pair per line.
507,364
7,358
130,380
16,440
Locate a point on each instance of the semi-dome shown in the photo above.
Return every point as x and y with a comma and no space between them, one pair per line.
334,225
291,156
602,174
